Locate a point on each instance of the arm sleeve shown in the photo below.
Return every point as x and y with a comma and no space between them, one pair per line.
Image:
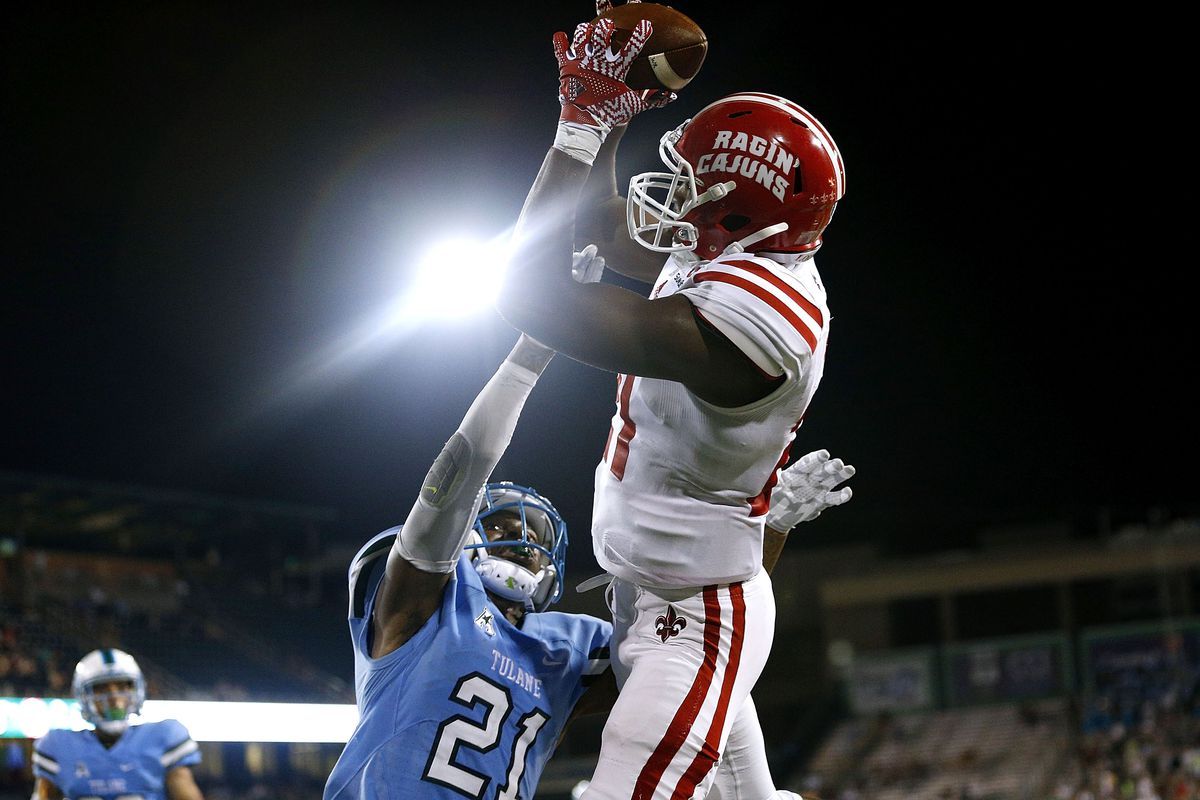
437,526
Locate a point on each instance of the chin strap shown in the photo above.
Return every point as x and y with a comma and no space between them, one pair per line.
715,192
741,245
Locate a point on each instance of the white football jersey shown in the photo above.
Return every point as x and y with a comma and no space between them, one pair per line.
683,486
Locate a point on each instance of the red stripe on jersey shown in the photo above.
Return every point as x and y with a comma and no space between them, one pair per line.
689,709
757,269
706,759
762,501
621,453
608,439
767,297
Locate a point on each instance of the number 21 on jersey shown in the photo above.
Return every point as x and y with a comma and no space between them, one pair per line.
483,736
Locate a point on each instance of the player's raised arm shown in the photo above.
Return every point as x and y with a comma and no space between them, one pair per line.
603,325
602,218
432,538
679,47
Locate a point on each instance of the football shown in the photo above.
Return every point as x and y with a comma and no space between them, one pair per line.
674,53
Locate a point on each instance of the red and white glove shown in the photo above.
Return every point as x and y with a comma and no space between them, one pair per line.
591,86
806,488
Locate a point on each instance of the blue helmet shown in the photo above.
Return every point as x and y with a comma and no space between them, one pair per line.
103,666
542,529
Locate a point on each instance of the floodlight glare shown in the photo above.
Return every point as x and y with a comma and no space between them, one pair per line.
32,717
457,278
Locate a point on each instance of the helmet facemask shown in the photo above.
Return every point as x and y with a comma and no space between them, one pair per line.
102,705
525,560
110,709
658,201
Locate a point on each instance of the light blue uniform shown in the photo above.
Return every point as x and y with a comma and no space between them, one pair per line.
471,706
135,768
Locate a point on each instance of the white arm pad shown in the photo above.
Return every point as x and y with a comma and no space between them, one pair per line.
438,524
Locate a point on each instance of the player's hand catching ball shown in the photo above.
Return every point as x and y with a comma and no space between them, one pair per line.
591,79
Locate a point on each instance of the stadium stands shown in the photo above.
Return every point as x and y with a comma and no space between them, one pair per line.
916,685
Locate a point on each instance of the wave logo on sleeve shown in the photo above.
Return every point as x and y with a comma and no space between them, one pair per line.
768,163
486,622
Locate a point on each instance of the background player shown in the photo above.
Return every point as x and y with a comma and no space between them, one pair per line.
716,370
115,759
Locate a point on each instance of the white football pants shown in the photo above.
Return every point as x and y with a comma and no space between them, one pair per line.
685,661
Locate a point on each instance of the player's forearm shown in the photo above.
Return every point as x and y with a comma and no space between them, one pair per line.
773,542
530,354
601,218
438,524
601,182
543,240
539,271
600,213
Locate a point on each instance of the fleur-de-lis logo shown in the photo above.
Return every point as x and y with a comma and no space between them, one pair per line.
669,624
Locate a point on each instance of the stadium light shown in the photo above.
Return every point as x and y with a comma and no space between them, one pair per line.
456,278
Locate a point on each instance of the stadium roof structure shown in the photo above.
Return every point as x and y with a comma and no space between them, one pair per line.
51,511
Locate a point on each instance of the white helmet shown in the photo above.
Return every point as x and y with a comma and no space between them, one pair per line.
505,577
102,666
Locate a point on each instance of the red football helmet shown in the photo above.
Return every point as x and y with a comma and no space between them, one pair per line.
750,169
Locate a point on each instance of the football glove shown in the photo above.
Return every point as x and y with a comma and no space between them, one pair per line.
592,90
586,266
806,488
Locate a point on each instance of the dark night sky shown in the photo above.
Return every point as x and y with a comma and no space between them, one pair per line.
204,200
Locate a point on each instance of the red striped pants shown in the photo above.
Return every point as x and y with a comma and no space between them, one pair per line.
685,661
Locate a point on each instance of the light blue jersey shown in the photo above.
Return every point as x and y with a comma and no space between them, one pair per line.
135,768
471,706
